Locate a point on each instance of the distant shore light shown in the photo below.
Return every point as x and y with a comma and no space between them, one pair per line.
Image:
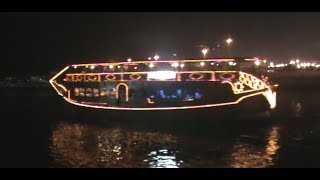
156,57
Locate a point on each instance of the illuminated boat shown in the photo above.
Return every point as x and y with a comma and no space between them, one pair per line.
163,85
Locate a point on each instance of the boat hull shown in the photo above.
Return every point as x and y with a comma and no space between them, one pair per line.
101,86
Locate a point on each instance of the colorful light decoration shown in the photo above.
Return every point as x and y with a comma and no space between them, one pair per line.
53,82
255,85
135,76
111,77
165,108
127,91
196,76
231,76
150,101
101,77
162,61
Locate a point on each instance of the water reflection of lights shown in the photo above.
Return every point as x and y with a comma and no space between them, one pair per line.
162,159
246,155
273,144
75,145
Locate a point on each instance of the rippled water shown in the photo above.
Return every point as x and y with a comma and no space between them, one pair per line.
82,145
44,131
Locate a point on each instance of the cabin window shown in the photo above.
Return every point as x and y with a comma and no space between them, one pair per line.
179,94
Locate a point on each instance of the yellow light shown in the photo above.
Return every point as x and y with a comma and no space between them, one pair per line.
151,65
204,52
202,64
111,66
149,58
52,80
127,91
181,65
64,88
145,72
264,61
257,63
56,89
119,67
271,97
229,40
150,101
92,67
129,59
135,67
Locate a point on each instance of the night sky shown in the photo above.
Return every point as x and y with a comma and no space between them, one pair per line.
32,43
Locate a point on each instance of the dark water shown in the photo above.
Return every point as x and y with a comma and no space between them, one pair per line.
39,129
